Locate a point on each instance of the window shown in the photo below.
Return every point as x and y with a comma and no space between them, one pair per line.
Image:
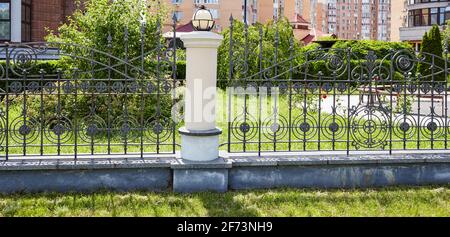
178,15
26,20
215,13
428,16
5,20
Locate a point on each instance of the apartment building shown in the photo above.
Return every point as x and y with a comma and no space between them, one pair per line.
420,16
220,9
398,18
359,19
26,20
304,15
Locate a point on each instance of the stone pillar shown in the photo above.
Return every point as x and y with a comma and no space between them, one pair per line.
16,21
200,136
200,168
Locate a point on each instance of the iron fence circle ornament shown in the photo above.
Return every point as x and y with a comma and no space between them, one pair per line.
24,59
50,87
92,128
432,127
304,126
101,87
334,126
133,87
33,87
369,127
68,87
275,127
244,127
405,126
118,87
58,129
126,127
15,87
404,61
24,130
158,128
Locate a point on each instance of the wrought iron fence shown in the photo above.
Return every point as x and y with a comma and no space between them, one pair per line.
96,103
280,100
332,99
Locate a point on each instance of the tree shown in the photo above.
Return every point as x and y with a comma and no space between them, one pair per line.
91,25
104,35
247,63
433,64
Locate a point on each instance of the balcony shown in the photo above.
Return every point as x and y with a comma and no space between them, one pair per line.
413,33
426,5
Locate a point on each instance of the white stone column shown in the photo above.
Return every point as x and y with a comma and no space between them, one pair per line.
200,136
16,21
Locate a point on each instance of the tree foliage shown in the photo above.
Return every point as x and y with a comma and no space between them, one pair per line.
250,50
91,25
104,35
431,52
360,48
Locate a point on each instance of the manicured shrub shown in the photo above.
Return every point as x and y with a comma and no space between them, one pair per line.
432,54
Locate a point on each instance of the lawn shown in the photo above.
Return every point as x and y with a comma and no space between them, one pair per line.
398,201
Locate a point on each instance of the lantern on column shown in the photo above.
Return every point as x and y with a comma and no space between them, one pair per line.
202,20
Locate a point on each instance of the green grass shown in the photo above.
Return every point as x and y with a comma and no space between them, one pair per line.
398,201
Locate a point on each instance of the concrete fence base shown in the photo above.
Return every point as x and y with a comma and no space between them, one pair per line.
235,173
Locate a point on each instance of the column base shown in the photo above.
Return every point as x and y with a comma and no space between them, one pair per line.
190,176
200,145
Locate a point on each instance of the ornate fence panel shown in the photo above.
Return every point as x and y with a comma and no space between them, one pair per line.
95,103
331,99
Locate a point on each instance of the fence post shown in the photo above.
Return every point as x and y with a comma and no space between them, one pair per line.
200,168
200,136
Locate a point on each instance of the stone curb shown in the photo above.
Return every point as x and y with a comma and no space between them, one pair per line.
221,163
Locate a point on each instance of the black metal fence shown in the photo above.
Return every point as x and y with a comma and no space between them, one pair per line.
275,99
96,103
332,99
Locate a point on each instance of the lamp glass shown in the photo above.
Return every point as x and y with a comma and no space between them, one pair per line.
202,20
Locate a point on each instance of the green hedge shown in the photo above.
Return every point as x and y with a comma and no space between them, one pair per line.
320,66
360,48
50,67
85,100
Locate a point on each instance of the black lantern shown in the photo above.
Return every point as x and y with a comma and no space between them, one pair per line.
202,20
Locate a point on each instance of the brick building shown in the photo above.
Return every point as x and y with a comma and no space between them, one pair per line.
308,17
360,19
26,20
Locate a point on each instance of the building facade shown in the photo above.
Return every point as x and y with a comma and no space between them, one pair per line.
310,11
398,18
220,9
359,19
27,20
420,16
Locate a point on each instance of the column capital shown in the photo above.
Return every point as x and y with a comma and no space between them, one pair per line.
201,39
